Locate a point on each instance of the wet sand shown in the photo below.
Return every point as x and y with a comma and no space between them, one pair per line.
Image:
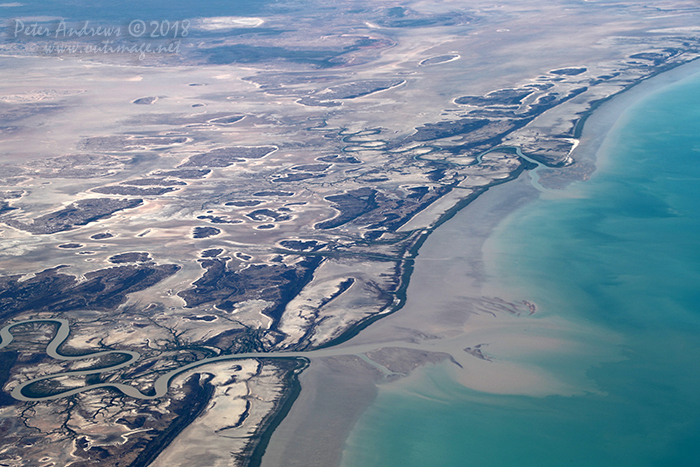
335,392
334,395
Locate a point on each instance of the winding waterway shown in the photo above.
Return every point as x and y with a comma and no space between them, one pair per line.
613,267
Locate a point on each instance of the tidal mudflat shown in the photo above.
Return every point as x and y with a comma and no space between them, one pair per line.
601,371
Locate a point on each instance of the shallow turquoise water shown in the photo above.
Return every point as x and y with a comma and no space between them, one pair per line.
624,256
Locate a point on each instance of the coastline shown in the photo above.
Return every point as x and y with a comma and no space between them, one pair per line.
294,439
433,278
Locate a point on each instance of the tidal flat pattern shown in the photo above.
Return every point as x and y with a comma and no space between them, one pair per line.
618,253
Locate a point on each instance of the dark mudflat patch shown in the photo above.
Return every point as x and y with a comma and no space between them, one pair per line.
220,220
302,245
263,214
273,193
352,90
418,192
71,245
212,252
131,190
224,287
79,213
351,205
224,157
101,236
311,167
296,177
208,318
5,207
187,174
130,257
54,291
145,100
439,59
153,181
128,142
205,232
11,194
241,204
568,71
431,131
500,97
197,392
228,120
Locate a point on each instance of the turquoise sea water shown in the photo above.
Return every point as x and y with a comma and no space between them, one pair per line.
622,255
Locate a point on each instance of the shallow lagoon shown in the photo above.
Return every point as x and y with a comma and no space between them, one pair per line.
618,255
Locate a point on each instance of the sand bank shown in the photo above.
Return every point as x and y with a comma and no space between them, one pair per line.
336,392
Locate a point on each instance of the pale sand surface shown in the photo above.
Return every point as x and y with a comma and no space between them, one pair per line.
335,392
446,312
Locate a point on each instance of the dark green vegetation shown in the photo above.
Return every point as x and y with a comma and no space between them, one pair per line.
404,268
246,203
212,253
132,190
337,159
145,100
69,246
7,361
214,118
296,177
219,219
184,173
500,97
252,457
163,429
568,71
351,205
311,167
80,212
153,181
432,131
101,236
54,291
128,142
275,283
205,232
223,157
301,245
5,207
244,53
400,17
352,90
130,257
437,60
262,214
273,193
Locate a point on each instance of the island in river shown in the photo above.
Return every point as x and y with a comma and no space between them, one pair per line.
265,192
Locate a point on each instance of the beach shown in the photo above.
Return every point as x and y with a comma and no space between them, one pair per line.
451,305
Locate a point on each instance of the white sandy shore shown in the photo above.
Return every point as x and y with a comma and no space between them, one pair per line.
336,392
